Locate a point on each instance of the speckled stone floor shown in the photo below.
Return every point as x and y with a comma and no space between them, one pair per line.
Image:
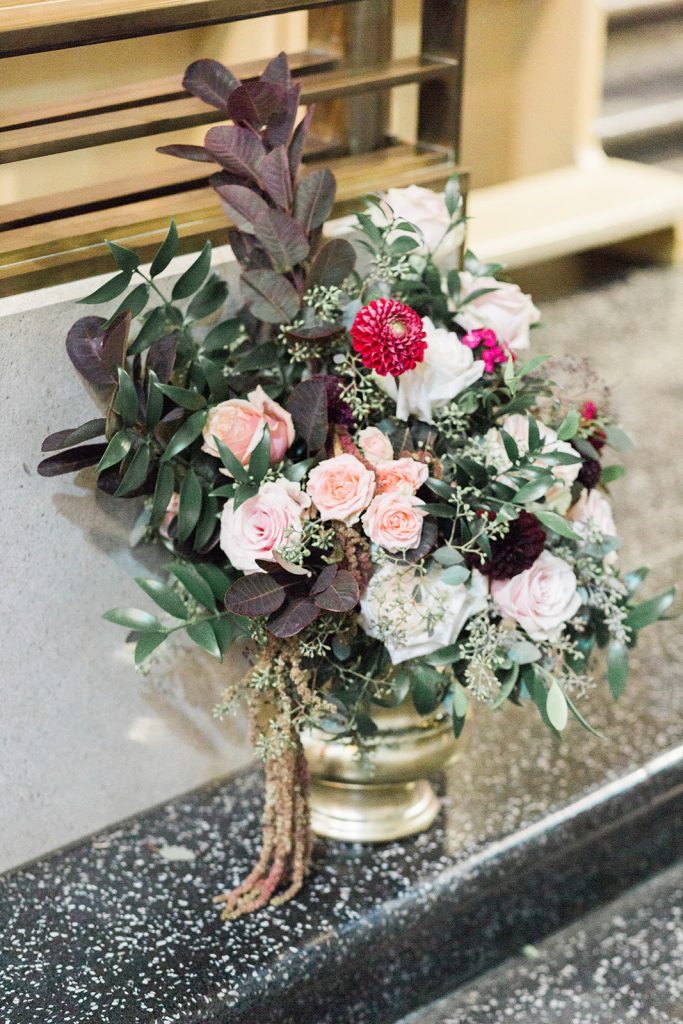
533,833
621,963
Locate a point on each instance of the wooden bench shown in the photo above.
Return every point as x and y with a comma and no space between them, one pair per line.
347,71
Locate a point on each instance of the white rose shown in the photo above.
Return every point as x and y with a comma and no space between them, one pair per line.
447,369
593,512
262,524
427,210
507,310
414,615
540,599
517,426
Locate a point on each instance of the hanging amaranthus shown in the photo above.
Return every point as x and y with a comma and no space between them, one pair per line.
279,696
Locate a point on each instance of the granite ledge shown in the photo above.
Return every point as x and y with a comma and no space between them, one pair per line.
108,931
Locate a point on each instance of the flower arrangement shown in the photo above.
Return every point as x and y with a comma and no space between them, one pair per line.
359,477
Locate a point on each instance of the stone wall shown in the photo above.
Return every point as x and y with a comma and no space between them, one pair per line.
85,740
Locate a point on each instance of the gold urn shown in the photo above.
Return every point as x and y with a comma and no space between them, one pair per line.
381,791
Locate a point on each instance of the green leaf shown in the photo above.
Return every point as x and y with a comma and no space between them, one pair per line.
460,701
403,244
166,251
569,426
617,668
195,584
219,581
224,633
440,488
447,556
134,302
454,575
534,489
206,523
439,509
556,707
633,580
190,504
132,618
508,684
426,688
557,523
523,652
69,438
618,439
111,289
611,473
189,282
126,399
155,401
259,462
152,329
118,447
126,259
231,462
221,336
204,636
452,195
529,366
163,492
579,718
184,397
511,447
164,596
264,355
444,656
185,435
651,611
147,643
136,474
211,297
243,493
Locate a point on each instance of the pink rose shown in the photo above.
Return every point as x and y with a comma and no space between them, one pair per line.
262,524
341,488
375,445
279,422
593,512
507,311
541,599
404,475
394,521
240,423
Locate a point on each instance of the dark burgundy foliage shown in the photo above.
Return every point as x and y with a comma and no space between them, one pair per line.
72,461
96,350
338,411
308,407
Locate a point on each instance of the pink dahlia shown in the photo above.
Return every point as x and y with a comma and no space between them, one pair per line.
492,352
389,336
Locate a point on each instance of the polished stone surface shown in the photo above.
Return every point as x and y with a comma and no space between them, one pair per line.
621,963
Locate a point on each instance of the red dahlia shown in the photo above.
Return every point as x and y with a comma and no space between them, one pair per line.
389,336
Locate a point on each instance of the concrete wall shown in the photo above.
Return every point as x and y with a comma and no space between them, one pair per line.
84,739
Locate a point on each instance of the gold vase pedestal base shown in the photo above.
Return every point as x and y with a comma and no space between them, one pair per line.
362,813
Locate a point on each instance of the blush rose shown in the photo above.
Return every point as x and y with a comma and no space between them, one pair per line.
239,423
262,524
540,599
404,475
375,445
341,488
394,521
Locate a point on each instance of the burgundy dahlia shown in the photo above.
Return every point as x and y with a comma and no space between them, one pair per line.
517,550
389,337
589,474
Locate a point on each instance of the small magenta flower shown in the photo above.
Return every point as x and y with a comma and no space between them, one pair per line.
492,353
389,336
